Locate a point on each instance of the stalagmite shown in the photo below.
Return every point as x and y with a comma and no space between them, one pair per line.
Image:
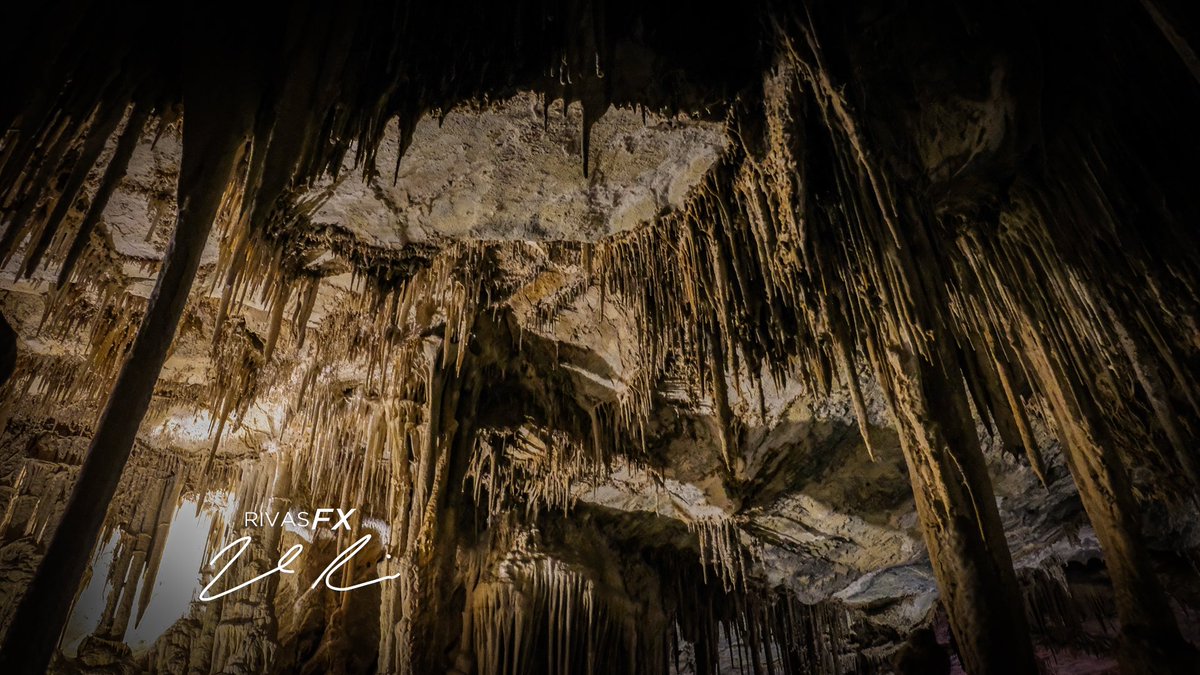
162,528
134,562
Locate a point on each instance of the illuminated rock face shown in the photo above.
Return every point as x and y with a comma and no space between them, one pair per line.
625,339
513,171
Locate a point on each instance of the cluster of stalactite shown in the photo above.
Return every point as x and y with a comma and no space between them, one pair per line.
383,442
529,605
720,549
232,386
425,489
47,468
340,75
47,485
802,255
533,607
391,342
770,633
40,208
540,611
530,468
401,439
374,416
136,529
108,318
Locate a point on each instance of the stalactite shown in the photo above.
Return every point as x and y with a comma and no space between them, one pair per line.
117,166
1167,24
105,124
533,469
721,549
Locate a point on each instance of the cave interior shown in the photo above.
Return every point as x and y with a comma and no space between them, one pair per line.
624,337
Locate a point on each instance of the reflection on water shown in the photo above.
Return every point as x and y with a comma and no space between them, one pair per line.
177,583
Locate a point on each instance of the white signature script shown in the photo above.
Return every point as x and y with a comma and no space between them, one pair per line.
283,567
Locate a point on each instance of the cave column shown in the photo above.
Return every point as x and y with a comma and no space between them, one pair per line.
959,519
1150,641
422,618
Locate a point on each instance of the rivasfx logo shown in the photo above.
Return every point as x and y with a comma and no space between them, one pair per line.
337,519
300,519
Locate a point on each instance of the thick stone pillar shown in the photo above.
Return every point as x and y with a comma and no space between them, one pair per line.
1150,642
959,519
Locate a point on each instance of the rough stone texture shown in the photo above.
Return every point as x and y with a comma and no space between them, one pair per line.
514,171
